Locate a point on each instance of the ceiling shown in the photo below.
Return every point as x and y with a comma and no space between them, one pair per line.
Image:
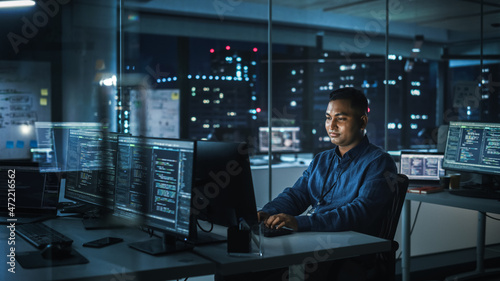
448,21
452,15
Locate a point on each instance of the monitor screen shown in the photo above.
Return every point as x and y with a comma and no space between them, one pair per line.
91,167
422,165
52,142
473,147
153,186
223,192
284,139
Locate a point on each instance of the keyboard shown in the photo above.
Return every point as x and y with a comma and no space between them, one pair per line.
40,235
273,232
80,208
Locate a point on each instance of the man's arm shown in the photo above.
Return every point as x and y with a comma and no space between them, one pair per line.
293,200
365,211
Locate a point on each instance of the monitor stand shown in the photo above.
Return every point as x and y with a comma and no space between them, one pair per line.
487,189
160,246
202,238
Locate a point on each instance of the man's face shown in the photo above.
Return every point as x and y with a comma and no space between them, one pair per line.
344,125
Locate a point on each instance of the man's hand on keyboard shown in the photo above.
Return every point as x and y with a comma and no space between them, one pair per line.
280,220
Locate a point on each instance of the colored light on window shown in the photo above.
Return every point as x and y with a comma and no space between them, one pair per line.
212,51
228,47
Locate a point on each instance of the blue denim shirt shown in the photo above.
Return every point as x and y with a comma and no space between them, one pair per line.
354,191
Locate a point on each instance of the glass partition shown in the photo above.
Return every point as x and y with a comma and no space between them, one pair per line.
200,69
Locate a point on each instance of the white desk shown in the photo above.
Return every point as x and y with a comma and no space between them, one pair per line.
115,262
446,199
295,249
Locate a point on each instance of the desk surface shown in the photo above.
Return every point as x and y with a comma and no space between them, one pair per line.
115,262
447,199
294,249
120,262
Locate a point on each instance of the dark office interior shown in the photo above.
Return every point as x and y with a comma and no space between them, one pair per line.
184,71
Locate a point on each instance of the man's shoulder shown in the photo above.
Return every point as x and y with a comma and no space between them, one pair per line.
376,152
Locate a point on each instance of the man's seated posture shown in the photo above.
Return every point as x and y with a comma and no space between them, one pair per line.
344,188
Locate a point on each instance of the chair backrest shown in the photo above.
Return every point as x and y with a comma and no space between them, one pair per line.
386,261
399,184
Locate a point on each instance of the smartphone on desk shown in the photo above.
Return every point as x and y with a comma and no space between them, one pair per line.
102,242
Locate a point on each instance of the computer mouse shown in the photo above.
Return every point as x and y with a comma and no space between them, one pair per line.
56,251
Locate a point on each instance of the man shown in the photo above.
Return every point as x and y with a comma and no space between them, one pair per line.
346,187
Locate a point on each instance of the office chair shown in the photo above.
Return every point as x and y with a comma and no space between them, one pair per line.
387,260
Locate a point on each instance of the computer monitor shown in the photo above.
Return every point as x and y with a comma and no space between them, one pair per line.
422,166
474,147
91,167
153,188
52,142
223,192
284,140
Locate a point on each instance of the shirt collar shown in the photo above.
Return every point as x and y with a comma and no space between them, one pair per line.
355,151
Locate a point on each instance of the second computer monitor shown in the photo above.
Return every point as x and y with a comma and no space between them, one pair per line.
473,147
284,139
224,192
153,187
91,167
425,166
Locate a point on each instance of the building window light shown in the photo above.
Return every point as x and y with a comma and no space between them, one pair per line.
415,92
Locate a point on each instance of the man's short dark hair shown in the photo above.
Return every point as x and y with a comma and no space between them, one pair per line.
356,97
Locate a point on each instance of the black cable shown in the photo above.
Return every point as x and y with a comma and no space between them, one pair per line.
413,226
497,219
204,230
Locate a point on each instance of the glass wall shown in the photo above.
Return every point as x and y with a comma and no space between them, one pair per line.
200,69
